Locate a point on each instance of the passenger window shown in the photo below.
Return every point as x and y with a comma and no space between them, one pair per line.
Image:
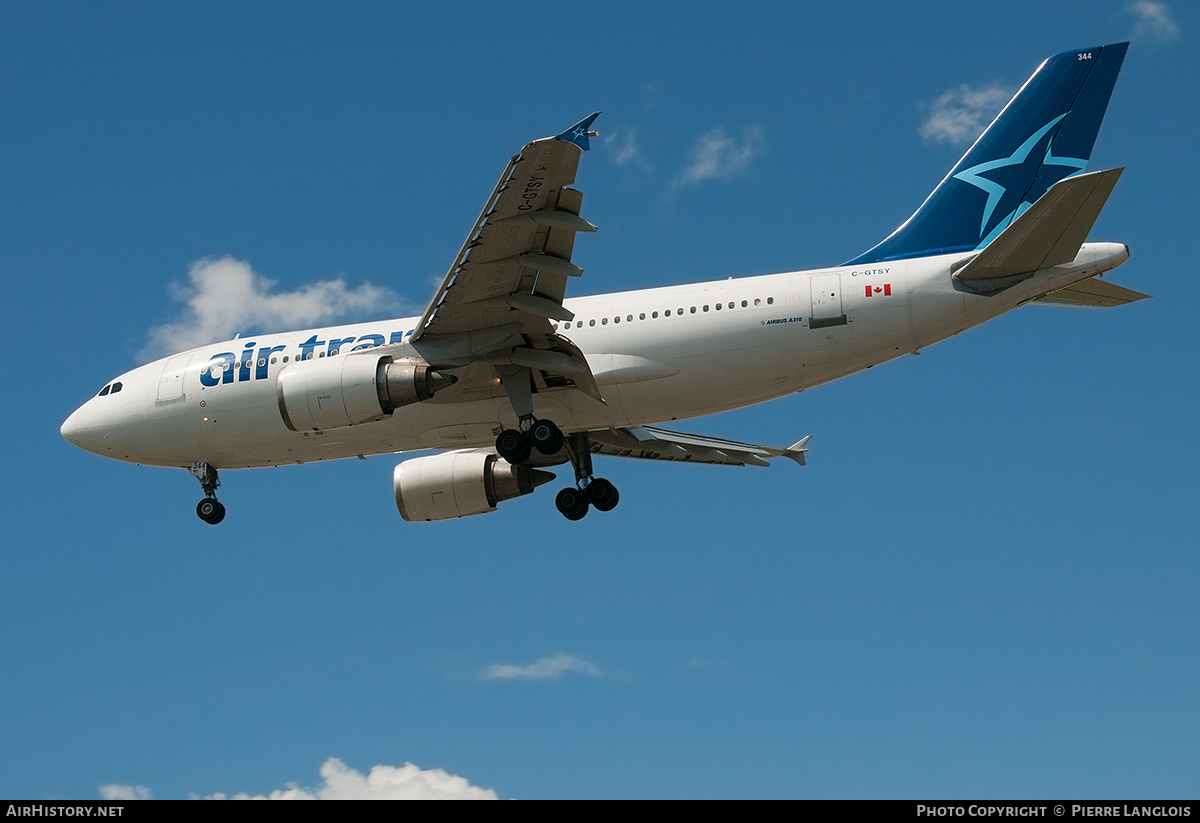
771,300
731,304
757,302
616,319
591,322
668,312
693,309
655,315
743,304
718,307
332,353
706,307
604,321
630,318
262,361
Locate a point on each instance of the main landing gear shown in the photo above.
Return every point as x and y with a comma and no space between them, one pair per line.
516,446
588,491
209,509
573,502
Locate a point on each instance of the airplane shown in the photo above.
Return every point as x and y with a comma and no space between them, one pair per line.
510,377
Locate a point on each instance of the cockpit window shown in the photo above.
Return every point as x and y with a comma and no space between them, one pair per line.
116,387
104,391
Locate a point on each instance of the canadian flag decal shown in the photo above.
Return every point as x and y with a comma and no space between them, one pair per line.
885,289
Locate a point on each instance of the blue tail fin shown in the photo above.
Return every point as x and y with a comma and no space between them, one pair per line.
1044,134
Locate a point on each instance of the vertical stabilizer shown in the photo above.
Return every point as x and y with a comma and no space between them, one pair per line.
1043,135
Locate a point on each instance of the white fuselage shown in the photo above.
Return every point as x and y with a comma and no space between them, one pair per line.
658,355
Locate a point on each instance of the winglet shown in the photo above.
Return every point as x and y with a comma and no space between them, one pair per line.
579,134
800,444
797,450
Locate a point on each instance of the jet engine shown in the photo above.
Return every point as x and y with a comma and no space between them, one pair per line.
457,484
334,392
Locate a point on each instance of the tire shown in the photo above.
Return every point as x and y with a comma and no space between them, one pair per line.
546,437
572,503
603,495
513,446
210,511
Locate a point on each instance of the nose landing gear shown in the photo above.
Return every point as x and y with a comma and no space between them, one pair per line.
209,509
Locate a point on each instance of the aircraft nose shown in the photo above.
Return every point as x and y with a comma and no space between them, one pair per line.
72,427
88,428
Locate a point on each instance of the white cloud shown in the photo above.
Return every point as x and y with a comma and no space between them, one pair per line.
340,782
1153,20
623,147
226,296
406,782
959,114
121,791
547,668
717,155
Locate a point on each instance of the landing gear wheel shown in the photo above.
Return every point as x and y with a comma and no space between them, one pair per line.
513,446
603,495
210,510
545,436
572,503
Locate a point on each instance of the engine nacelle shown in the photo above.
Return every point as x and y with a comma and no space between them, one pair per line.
335,392
457,484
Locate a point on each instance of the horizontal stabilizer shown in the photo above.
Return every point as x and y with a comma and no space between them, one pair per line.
1093,293
1048,233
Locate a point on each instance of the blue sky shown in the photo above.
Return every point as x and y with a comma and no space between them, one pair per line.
983,583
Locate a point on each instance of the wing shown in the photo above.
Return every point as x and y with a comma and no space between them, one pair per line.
650,443
495,304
